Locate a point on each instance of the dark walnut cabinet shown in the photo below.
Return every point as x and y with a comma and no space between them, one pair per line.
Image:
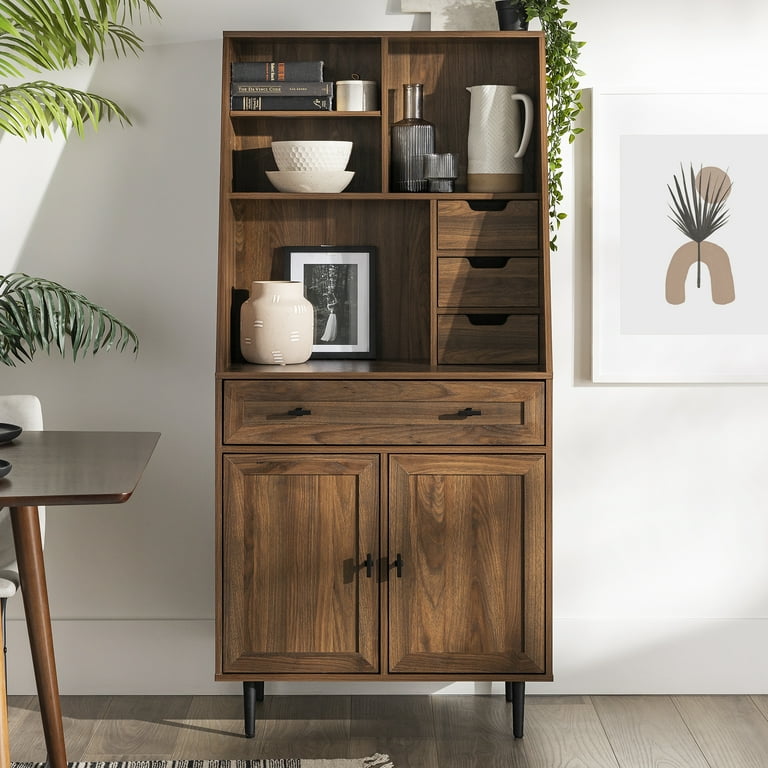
389,519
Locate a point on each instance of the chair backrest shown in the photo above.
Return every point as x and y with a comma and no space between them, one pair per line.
26,412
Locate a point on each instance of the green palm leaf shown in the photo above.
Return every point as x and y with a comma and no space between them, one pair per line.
39,107
39,35
38,314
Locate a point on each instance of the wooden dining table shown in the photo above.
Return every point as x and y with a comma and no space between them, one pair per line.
58,468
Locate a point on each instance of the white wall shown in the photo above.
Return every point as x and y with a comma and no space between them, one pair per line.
661,581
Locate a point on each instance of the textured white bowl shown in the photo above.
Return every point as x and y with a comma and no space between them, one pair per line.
303,155
310,181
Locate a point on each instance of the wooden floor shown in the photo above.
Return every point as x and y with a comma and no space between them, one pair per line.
423,731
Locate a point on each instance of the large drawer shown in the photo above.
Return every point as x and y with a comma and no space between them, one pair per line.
460,227
383,412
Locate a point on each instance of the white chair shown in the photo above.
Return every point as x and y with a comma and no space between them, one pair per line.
26,412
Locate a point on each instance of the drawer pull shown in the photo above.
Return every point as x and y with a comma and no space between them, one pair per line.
299,412
466,412
487,319
488,262
368,563
399,565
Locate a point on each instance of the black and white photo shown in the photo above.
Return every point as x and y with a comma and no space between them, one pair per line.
339,284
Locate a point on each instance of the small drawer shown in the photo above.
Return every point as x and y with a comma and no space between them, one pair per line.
488,339
383,412
459,227
487,281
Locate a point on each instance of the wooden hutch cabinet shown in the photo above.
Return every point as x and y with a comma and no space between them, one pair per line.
389,519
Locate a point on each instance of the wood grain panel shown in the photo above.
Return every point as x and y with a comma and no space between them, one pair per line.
296,530
471,531
381,412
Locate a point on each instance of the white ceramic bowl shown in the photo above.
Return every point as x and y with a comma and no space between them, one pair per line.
310,181
302,155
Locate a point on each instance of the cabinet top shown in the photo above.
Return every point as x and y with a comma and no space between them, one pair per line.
393,34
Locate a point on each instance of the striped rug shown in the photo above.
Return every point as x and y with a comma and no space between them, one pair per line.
374,761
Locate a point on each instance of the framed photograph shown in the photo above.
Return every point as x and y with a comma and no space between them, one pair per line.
678,202
339,282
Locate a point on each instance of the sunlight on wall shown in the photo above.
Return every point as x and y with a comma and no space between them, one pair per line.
32,162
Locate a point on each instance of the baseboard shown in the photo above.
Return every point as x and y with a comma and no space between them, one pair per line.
592,656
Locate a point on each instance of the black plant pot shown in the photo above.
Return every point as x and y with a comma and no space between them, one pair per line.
512,14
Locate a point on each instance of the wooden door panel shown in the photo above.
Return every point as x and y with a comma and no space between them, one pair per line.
471,533
296,596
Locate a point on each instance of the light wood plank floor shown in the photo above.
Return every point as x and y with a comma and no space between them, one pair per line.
423,731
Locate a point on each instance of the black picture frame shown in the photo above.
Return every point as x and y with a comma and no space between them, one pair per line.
340,284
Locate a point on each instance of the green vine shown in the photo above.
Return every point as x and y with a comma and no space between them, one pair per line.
563,94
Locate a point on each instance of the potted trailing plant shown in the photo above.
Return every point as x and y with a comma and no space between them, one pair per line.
49,35
562,76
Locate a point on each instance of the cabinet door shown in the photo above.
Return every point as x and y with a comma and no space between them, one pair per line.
471,535
297,596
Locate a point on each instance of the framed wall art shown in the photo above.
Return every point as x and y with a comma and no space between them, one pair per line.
679,203
339,282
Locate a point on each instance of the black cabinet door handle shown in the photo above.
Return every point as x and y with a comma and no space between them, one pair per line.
368,563
399,562
299,412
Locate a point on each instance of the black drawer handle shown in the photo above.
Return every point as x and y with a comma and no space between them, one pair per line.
399,562
299,412
368,563
466,412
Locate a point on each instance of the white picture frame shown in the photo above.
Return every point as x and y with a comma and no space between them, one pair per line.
639,334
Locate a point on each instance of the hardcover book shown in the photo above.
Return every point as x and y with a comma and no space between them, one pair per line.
270,71
285,103
285,88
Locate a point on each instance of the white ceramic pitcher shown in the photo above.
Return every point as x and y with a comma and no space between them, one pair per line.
497,138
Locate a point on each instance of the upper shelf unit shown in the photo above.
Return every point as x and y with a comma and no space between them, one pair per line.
447,63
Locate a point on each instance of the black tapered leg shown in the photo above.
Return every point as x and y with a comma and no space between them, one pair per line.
253,691
516,694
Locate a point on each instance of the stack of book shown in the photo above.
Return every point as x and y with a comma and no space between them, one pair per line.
279,85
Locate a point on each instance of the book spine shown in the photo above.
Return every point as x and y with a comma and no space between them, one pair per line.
271,71
281,89
278,103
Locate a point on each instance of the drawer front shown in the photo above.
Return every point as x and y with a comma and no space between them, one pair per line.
383,412
461,228
487,281
488,339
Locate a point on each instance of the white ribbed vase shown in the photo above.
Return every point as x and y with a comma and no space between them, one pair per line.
277,324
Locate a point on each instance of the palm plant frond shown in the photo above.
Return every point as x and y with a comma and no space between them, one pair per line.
47,35
38,314
698,214
39,107
51,34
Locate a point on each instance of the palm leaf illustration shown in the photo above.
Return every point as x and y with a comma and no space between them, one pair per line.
698,213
